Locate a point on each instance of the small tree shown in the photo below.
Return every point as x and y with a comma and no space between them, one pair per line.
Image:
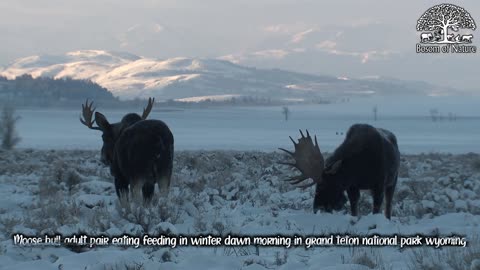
8,134
375,113
286,112
434,114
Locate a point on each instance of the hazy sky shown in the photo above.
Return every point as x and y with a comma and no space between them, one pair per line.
343,38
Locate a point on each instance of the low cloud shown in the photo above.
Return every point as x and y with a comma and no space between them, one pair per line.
362,22
327,44
137,33
331,47
157,28
234,58
274,53
287,28
299,37
264,54
277,28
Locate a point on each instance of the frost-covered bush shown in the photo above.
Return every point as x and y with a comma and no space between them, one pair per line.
48,215
476,163
366,256
8,225
124,266
149,215
456,258
100,220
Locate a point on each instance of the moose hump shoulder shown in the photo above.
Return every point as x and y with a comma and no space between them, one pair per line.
368,158
138,151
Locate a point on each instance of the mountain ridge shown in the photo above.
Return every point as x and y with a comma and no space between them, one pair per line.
129,76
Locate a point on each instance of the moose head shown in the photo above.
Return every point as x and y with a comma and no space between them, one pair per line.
111,131
311,164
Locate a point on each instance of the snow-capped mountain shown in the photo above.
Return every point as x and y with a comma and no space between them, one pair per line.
129,76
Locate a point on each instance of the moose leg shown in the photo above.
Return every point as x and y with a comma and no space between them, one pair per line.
353,197
163,180
136,189
147,191
389,190
164,184
388,201
377,200
121,187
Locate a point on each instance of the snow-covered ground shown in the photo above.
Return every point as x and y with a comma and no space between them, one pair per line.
229,192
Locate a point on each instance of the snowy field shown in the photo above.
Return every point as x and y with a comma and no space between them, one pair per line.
264,129
229,192
226,181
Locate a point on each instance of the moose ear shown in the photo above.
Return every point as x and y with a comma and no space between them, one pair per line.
334,167
102,121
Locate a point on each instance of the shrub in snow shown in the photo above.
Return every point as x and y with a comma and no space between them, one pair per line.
47,188
167,210
8,225
135,212
418,188
369,257
124,266
474,206
452,194
219,227
476,163
461,206
429,205
133,229
255,260
164,228
148,215
61,177
167,256
444,180
455,258
475,265
199,224
100,221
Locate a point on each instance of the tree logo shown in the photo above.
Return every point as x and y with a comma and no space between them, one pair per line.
443,27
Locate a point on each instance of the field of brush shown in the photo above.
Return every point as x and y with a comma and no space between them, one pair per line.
230,193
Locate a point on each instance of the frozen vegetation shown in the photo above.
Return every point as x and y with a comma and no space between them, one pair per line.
228,192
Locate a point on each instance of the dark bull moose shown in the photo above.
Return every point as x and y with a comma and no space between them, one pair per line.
138,151
368,158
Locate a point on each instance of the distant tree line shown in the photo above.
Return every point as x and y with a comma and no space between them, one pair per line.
26,91
242,101
44,91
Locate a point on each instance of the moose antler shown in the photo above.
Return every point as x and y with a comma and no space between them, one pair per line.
147,109
87,113
308,160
